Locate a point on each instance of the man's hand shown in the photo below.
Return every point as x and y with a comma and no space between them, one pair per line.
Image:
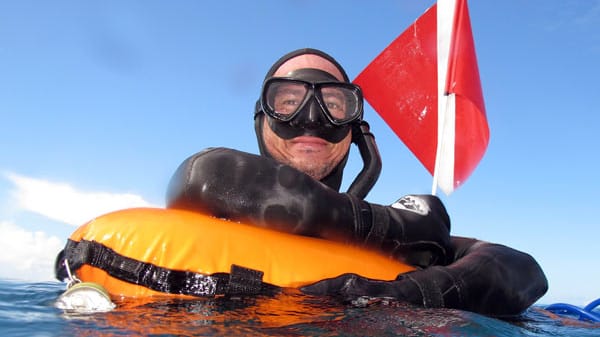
348,287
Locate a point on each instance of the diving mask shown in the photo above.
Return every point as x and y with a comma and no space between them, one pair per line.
284,98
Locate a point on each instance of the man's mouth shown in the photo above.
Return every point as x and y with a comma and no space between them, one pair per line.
309,143
310,140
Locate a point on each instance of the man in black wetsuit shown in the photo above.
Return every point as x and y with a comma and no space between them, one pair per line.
307,116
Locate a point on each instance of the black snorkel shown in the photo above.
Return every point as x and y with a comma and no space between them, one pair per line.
368,175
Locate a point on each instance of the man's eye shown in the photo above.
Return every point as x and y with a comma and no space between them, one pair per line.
287,104
336,108
333,106
290,102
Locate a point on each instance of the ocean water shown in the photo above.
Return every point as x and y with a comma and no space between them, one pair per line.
27,309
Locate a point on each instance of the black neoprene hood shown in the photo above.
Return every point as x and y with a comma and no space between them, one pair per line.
305,51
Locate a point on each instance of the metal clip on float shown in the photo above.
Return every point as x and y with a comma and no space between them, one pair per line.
83,297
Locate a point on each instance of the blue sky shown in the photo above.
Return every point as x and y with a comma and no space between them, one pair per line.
101,101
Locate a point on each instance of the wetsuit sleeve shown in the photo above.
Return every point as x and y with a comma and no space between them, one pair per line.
260,191
486,278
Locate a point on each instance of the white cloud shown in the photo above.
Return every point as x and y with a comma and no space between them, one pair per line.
62,202
27,255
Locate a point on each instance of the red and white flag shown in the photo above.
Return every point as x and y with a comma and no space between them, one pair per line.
426,87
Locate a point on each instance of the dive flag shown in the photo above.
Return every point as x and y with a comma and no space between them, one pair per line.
426,86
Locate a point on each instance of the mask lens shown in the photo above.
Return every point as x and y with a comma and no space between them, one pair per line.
284,98
342,102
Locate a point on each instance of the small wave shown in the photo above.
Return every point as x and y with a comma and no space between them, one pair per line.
27,309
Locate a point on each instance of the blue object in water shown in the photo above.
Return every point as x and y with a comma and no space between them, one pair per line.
583,314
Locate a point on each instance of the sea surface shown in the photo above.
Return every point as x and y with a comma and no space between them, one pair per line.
27,309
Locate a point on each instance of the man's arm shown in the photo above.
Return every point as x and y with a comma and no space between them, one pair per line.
486,278
260,191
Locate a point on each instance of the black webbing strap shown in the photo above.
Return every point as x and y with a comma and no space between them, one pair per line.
240,280
244,281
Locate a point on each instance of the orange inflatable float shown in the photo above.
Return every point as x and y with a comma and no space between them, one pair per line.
155,252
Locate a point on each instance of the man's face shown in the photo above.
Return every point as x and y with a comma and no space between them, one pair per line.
312,155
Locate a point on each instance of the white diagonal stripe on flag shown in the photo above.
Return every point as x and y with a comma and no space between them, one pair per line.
444,167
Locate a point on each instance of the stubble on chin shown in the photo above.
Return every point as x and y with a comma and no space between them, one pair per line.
315,169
